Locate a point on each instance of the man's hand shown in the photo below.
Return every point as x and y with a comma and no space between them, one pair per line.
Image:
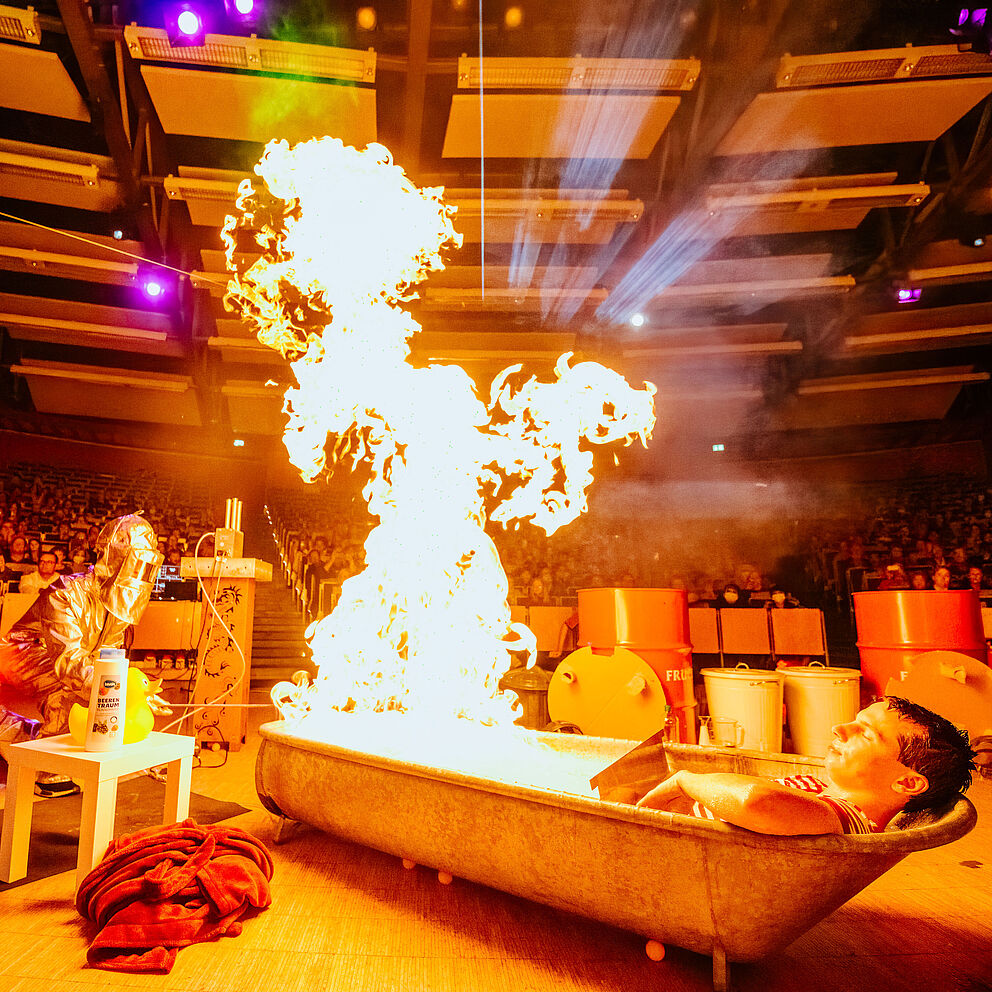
668,796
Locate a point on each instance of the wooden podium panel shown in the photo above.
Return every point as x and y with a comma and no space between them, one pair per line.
797,632
223,675
703,633
745,631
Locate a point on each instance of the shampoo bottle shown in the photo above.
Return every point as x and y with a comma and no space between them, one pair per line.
105,723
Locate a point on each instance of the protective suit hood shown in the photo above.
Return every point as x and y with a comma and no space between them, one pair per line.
127,565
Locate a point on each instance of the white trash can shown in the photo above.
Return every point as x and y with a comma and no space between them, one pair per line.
750,697
816,700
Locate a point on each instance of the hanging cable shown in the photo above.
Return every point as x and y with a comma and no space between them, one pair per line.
482,166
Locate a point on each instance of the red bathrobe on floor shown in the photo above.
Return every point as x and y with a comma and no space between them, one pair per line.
167,887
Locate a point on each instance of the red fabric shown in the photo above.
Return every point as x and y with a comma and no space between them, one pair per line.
168,887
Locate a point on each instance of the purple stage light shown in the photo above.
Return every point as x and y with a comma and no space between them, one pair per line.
243,12
155,288
973,29
909,295
189,23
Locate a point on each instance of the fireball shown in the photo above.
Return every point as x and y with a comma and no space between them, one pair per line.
345,238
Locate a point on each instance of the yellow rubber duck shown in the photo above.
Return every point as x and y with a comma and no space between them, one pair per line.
139,719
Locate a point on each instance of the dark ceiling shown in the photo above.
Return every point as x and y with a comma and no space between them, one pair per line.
755,179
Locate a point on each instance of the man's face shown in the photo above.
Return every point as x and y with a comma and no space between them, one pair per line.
975,578
941,579
46,565
864,755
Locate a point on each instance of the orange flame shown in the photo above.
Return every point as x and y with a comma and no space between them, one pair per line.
345,237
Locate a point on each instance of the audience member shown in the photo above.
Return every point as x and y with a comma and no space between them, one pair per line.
43,576
942,579
17,557
895,578
781,600
729,598
91,538
976,578
7,532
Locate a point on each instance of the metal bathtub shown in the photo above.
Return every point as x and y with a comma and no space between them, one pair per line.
698,884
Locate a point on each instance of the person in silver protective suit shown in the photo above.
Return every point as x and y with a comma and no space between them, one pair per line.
48,654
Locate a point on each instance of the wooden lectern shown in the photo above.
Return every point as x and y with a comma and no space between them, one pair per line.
230,584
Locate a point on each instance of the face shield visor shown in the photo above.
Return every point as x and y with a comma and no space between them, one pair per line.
128,564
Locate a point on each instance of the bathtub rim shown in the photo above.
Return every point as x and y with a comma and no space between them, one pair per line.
952,825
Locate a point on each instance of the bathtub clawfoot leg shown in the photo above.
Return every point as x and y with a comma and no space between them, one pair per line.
721,970
286,829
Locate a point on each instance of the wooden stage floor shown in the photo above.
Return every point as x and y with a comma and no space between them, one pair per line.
349,919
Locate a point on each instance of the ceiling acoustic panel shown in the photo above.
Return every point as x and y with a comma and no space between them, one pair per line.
59,176
254,408
882,398
542,220
895,332
819,203
36,81
551,125
259,108
114,394
87,325
878,113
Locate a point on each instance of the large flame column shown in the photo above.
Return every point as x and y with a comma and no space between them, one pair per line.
345,237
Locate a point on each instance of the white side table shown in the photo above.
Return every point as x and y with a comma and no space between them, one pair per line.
99,772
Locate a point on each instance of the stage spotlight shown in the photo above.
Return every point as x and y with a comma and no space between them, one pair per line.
238,442
513,17
156,286
186,25
908,294
118,234
366,18
971,230
242,12
637,320
974,29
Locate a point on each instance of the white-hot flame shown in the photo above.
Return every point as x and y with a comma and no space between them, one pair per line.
345,237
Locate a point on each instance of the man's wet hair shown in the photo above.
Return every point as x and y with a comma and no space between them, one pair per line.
937,750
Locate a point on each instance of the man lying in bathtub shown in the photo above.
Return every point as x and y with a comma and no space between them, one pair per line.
896,756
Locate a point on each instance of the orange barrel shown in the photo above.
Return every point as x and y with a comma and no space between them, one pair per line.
653,624
897,624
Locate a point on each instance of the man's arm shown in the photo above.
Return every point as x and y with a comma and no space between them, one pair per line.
746,801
